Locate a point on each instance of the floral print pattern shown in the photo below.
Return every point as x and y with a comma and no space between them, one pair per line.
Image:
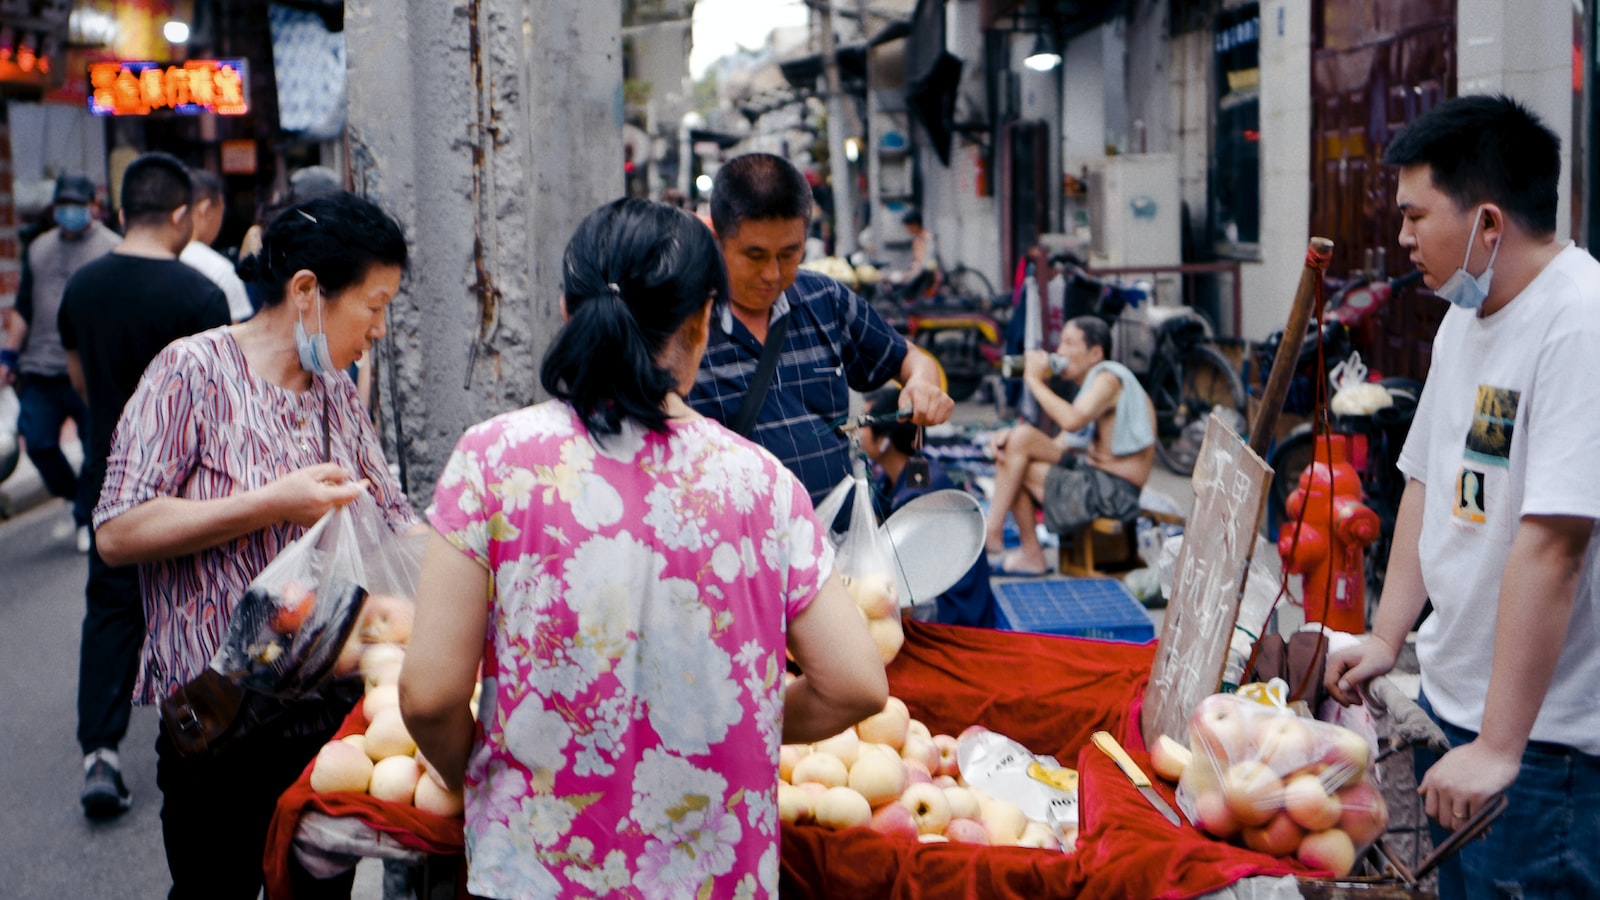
632,699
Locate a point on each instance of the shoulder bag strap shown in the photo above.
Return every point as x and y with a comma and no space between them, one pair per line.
753,398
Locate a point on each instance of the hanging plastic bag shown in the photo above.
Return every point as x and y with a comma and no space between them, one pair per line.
1353,394
346,583
865,560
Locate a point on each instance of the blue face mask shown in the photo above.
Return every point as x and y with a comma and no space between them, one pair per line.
72,217
313,349
1461,288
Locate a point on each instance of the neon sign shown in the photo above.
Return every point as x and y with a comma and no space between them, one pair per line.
197,87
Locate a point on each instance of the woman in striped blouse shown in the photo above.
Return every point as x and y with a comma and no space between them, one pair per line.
236,440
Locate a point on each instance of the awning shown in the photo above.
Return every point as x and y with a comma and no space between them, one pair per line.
1071,17
803,71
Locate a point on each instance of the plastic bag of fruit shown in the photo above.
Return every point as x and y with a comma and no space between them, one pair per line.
865,560
348,581
1262,777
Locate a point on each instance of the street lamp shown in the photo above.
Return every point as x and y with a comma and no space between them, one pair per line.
175,32
1044,56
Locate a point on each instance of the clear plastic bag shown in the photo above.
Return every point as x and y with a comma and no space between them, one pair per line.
1278,783
865,560
346,583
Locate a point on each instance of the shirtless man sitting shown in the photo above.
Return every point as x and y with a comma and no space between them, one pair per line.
1073,487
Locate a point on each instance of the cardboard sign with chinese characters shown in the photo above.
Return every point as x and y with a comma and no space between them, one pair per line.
1230,487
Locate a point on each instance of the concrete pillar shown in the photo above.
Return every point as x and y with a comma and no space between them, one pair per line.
490,128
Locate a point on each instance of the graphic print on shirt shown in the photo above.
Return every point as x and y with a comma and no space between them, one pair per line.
1493,418
1469,495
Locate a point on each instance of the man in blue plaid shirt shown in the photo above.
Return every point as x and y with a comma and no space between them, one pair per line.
833,341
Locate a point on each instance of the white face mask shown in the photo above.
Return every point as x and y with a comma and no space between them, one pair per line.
1461,288
313,349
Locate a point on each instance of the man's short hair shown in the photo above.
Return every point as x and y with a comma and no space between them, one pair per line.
1096,333
153,186
207,186
1487,149
757,187
911,218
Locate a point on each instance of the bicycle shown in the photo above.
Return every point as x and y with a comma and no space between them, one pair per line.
1172,352
958,319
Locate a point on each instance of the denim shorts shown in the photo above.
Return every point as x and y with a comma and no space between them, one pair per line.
1547,842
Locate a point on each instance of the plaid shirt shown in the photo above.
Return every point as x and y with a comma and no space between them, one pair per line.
835,343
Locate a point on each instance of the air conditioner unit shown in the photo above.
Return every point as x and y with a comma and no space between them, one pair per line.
1135,210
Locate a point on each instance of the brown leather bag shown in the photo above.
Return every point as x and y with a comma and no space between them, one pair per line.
209,712
1300,662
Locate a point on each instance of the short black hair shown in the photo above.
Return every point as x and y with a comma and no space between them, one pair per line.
338,237
1487,148
757,187
1096,333
912,217
902,435
153,186
634,272
207,186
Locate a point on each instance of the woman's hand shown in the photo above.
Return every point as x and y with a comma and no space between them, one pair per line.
306,495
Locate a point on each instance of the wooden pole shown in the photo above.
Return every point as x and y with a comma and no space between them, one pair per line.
1318,252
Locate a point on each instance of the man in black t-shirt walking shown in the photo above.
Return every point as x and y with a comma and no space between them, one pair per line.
118,313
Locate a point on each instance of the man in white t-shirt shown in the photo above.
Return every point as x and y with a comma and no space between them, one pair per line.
209,207
1500,506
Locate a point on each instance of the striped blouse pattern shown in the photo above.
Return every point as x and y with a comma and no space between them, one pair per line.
202,426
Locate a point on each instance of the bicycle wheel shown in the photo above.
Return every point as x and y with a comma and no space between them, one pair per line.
970,284
960,359
1292,456
1184,391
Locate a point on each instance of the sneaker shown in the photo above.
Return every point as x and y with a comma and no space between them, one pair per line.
83,539
104,794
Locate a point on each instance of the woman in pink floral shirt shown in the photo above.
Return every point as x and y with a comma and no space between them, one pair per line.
629,575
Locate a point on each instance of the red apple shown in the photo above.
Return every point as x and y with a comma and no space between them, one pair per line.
923,750
928,806
1169,758
967,831
1279,837
1211,813
1308,804
1347,750
1220,728
916,773
1365,815
1284,743
1254,793
945,781
894,820
1330,849
948,763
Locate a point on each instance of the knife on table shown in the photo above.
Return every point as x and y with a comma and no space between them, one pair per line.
1111,748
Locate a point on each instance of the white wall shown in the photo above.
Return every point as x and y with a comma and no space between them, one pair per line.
51,139
1268,286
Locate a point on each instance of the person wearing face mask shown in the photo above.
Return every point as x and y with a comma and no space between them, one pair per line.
116,314
32,355
235,441
1496,523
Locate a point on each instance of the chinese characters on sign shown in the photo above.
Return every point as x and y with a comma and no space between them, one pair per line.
199,86
1230,484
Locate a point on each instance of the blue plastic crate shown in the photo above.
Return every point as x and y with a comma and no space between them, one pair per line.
1073,607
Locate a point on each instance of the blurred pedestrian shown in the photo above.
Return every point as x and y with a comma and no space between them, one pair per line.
629,575
209,207
236,440
118,312
969,601
826,340
32,355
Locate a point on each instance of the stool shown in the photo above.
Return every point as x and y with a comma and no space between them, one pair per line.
1077,548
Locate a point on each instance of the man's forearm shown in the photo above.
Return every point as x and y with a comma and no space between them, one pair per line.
1404,593
1063,413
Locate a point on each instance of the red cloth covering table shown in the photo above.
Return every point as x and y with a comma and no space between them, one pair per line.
1050,694
407,825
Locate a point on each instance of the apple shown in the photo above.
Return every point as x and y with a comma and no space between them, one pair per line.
380,664
387,736
1039,836
933,839
1254,792
877,595
394,779
813,790
928,806
845,745
379,699
1284,743
794,804
967,831
1329,849
916,772
1005,821
970,731
823,768
878,777
1308,804
788,755
888,726
917,726
385,619
949,764
340,766
840,807
963,803
1365,815
894,820
888,637
1278,837
923,750
946,781
1169,758
1211,813
356,740
431,797
1347,750
1219,725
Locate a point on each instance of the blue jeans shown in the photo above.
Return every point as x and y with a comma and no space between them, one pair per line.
47,402
1546,843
